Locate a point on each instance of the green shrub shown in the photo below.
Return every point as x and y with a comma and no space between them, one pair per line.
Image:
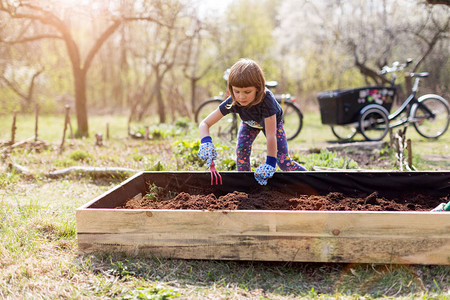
325,158
8,178
80,155
188,151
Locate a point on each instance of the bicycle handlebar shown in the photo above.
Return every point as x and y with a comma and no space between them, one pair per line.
396,66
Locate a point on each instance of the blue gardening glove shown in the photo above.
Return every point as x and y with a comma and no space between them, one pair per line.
266,171
207,151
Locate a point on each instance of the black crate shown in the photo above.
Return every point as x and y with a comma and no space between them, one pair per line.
341,107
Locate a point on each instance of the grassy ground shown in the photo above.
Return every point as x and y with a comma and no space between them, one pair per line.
38,246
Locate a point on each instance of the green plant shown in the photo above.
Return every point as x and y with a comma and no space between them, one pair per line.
325,158
80,155
160,131
120,268
156,292
183,123
188,151
136,156
153,192
228,164
8,178
158,166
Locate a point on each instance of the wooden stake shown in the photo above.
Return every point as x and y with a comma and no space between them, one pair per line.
409,148
147,132
66,121
391,137
13,129
107,131
36,124
70,124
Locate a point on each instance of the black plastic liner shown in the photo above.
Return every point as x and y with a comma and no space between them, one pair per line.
311,183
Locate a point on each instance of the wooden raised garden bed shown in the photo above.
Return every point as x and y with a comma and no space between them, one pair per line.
399,237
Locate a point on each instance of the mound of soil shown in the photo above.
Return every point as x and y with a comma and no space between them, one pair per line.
278,200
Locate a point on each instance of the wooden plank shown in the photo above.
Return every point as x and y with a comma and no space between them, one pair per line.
363,237
291,223
120,193
273,248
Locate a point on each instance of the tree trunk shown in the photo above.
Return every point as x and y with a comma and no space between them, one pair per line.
193,95
159,99
80,103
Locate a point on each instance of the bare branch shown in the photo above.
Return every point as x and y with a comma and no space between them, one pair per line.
32,39
33,79
99,42
48,18
13,87
150,19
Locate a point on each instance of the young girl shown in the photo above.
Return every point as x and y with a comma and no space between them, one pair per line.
259,111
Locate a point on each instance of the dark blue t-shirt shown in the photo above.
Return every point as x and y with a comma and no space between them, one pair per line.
254,116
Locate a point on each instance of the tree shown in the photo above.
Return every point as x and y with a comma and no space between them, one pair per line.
365,35
202,53
27,97
51,15
248,33
158,54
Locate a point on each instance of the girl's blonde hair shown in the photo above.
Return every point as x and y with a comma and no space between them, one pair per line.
246,73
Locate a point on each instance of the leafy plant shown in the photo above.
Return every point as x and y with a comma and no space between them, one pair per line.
158,166
137,156
157,193
153,192
153,292
188,151
9,178
160,131
183,123
121,269
325,158
80,155
228,164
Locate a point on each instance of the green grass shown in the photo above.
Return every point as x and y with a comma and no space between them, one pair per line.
38,245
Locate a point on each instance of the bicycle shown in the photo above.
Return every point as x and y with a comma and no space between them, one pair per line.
366,110
227,128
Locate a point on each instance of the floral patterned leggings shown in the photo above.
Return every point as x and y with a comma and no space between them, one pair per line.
246,137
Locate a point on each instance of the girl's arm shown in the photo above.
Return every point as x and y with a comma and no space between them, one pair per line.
209,121
271,135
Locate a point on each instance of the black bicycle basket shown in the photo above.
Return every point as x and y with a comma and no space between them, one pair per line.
341,107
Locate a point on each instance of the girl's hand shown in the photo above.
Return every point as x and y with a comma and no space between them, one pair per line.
265,171
207,151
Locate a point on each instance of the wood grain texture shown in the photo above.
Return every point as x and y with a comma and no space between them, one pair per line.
313,236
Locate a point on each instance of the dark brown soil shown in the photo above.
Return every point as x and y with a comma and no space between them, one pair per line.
277,200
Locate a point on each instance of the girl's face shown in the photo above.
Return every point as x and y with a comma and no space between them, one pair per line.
244,96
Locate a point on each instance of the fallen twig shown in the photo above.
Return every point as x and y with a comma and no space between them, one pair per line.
358,145
18,168
93,171
17,144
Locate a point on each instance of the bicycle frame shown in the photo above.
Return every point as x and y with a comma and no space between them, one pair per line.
407,107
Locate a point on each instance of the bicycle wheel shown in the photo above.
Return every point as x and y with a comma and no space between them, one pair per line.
431,116
374,123
226,128
344,132
292,119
